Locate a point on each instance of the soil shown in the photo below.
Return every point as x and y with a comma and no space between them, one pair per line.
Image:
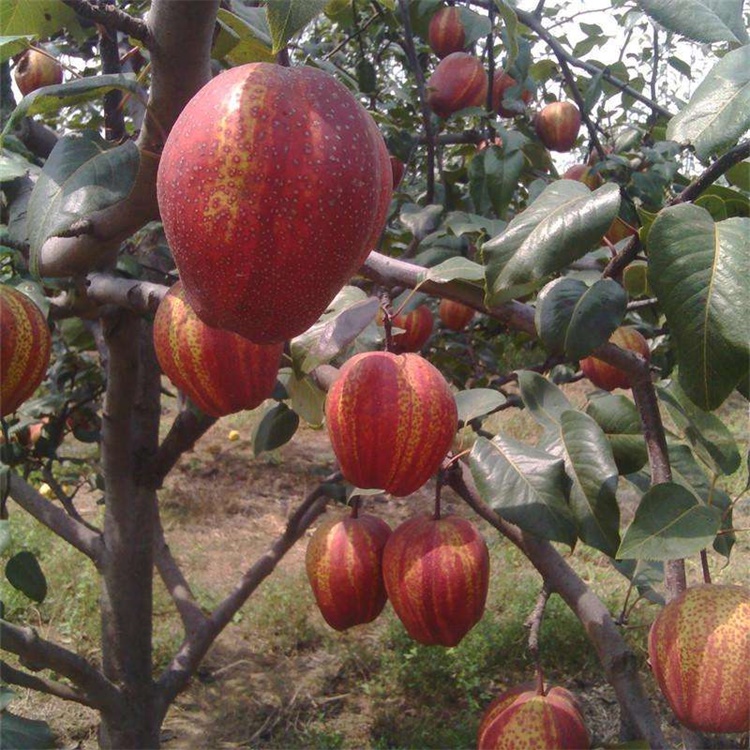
222,508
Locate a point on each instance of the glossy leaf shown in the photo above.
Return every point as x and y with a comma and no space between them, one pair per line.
275,429
51,99
82,175
525,486
593,493
420,220
718,112
477,402
560,226
702,21
617,416
669,524
348,315
711,439
24,573
698,270
574,319
14,165
241,42
493,178
287,17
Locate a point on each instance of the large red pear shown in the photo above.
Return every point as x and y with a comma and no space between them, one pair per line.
273,188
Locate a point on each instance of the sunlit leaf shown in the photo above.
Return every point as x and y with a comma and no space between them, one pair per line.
718,112
560,226
477,402
702,21
287,17
12,45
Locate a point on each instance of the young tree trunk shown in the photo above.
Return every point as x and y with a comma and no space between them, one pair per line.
129,438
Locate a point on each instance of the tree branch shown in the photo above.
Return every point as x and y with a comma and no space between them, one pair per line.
112,18
57,520
37,653
131,294
14,676
194,647
191,614
617,659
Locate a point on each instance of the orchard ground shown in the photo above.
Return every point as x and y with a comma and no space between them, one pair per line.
279,677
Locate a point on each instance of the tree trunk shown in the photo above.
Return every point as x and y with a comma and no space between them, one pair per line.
129,438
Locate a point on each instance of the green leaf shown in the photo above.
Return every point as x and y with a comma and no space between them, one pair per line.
739,175
617,416
83,174
511,27
718,113
593,492
50,99
23,573
544,400
712,441
704,21
669,524
644,574
13,165
420,220
240,41
698,270
525,486
493,178
477,402
452,269
42,18
275,429
476,27
12,45
6,696
348,315
575,319
20,733
560,226
287,17
308,399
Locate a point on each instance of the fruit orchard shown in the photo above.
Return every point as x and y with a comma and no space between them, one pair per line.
390,220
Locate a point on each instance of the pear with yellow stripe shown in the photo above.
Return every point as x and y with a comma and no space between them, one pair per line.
25,347
344,567
436,573
699,649
220,371
391,419
273,187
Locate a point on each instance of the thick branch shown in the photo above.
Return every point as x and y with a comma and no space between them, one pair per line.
56,519
137,296
617,659
112,18
195,646
14,676
37,653
180,33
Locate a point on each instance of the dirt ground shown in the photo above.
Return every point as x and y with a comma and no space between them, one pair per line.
222,508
